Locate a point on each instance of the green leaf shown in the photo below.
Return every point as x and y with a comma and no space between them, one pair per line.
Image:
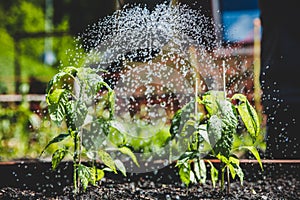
228,115
235,169
58,138
175,124
107,160
99,174
57,157
111,101
57,105
85,175
92,174
223,158
186,156
232,170
180,119
192,177
95,175
254,151
214,174
240,173
80,112
200,170
248,115
202,129
185,174
222,122
194,142
62,80
120,166
214,129
127,151
115,136
229,126
234,160
107,169
210,99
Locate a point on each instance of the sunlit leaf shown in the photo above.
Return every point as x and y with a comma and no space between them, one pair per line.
70,70
127,151
107,160
254,151
57,105
57,157
240,173
202,129
234,160
111,101
228,115
210,99
235,169
229,126
120,166
214,173
200,170
188,155
214,129
180,118
192,177
62,80
95,175
184,174
99,174
223,158
58,138
84,174
248,114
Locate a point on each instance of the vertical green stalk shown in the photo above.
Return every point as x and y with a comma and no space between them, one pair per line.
76,162
222,176
228,180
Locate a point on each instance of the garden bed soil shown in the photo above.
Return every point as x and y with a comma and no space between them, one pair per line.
36,180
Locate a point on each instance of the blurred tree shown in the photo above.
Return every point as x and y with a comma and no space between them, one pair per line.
19,18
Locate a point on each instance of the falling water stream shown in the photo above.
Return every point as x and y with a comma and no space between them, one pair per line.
156,61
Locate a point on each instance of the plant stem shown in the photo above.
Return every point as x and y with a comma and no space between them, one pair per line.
75,164
228,180
222,177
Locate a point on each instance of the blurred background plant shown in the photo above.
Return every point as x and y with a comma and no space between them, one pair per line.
23,43
25,130
32,48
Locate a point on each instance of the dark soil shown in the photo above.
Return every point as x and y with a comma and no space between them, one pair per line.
277,181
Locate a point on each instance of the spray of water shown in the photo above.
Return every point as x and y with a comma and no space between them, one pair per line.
156,61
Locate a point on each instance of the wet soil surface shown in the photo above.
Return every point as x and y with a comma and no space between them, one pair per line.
280,181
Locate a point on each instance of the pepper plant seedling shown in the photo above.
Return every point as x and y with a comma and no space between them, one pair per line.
81,98
212,134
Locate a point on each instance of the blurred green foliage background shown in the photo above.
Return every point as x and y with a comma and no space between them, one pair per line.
31,31
24,127
28,17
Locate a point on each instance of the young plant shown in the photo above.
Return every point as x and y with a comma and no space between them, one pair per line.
81,98
213,134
